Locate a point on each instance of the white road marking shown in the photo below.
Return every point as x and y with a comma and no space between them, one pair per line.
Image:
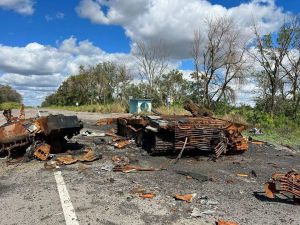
68,209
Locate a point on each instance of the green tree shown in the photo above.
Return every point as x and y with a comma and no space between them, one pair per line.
270,53
102,83
8,94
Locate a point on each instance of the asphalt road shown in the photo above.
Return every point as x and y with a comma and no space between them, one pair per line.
30,194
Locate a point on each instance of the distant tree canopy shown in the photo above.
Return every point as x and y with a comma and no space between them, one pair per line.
107,82
101,83
223,61
8,94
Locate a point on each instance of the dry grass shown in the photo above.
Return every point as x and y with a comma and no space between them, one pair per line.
107,108
235,118
177,110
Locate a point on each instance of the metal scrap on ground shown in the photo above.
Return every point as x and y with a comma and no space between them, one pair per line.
88,156
38,136
187,197
147,195
224,222
289,183
132,168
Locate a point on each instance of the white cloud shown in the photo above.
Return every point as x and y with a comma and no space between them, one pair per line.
36,70
57,16
175,21
20,6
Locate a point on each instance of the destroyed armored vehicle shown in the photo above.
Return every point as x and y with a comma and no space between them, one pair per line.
38,136
164,135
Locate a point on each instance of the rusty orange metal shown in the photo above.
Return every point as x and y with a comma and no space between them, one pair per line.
22,113
147,195
122,144
20,133
226,222
289,183
167,134
42,151
187,197
105,121
88,156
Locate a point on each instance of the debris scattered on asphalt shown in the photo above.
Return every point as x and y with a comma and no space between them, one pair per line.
50,165
242,175
122,144
111,134
108,167
224,222
205,201
120,160
196,176
132,168
88,156
198,213
186,197
230,181
92,134
253,173
82,167
274,165
147,195
138,190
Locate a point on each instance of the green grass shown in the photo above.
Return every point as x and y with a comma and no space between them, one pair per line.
10,105
105,108
278,138
280,130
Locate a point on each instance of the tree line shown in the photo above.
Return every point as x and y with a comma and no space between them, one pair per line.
223,59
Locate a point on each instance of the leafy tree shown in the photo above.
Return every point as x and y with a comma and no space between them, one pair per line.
8,94
102,83
270,53
173,84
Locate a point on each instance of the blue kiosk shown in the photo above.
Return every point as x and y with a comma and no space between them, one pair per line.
137,106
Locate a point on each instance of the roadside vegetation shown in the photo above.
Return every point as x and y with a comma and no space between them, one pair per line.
9,98
101,108
277,129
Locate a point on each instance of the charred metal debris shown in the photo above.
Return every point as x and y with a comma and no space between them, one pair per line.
173,134
39,136
167,135
284,183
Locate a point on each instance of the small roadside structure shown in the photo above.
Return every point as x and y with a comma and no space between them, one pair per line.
140,106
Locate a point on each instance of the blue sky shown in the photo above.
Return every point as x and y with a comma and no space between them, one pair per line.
43,42
19,30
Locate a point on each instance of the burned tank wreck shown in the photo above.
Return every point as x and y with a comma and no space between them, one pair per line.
161,134
36,137
170,134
